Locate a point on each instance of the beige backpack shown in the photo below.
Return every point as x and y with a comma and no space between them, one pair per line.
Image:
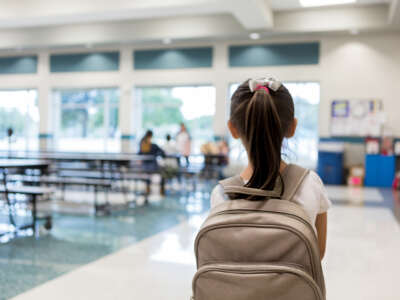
259,249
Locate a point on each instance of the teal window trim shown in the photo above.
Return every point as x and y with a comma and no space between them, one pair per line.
18,64
85,62
344,139
128,137
46,136
274,54
179,58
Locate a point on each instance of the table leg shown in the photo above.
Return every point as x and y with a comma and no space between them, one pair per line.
34,213
162,186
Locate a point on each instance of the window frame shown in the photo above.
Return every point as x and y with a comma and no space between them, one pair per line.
28,139
107,105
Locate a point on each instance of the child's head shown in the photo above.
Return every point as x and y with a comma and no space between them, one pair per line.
262,115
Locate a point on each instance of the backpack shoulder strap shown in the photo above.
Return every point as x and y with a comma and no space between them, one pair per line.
235,185
293,176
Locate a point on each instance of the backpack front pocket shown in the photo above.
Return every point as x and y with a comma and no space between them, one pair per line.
254,282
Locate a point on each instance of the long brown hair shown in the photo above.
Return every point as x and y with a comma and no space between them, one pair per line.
145,143
262,118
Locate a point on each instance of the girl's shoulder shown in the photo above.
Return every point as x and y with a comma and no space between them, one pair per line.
314,180
312,192
311,195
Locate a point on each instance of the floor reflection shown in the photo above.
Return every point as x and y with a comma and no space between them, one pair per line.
76,240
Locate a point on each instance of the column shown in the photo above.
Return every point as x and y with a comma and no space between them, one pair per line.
126,100
46,126
221,84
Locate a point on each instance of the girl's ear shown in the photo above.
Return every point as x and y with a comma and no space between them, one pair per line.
233,130
292,129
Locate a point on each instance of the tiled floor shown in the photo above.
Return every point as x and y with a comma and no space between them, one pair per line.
362,258
76,240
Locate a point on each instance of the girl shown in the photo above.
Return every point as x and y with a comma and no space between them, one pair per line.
262,115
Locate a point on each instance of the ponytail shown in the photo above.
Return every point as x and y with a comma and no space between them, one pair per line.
264,131
262,117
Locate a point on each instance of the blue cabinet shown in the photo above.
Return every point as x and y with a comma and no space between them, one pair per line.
330,167
379,170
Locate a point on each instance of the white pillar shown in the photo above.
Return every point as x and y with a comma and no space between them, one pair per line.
221,86
126,100
46,132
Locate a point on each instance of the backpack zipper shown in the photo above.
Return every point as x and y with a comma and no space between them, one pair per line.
267,268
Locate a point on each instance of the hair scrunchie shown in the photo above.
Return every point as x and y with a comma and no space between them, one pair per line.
264,84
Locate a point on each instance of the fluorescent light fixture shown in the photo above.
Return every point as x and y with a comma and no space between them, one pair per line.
167,41
254,36
311,3
354,31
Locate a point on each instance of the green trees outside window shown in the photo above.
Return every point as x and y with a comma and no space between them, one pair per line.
162,109
86,120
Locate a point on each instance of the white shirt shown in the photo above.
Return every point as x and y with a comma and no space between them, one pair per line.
311,195
170,148
183,143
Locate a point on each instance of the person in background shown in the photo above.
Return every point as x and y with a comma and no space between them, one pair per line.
171,151
148,148
170,164
183,142
170,146
224,152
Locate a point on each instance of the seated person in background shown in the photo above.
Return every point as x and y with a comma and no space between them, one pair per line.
224,151
170,146
148,148
170,163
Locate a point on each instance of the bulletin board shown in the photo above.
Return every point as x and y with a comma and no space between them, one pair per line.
360,118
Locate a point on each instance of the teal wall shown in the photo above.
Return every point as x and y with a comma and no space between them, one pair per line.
182,58
127,137
85,62
274,55
344,139
18,65
45,136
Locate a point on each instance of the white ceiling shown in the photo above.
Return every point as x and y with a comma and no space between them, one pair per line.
250,13
52,23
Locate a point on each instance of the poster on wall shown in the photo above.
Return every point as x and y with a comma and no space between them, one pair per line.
359,118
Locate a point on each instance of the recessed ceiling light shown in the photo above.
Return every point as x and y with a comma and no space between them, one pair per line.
167,41
354,31
254,36
311,3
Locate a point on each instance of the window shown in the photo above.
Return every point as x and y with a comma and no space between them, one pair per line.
19,111
162,109
303,148
86,120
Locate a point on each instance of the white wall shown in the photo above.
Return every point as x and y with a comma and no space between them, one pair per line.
365,66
